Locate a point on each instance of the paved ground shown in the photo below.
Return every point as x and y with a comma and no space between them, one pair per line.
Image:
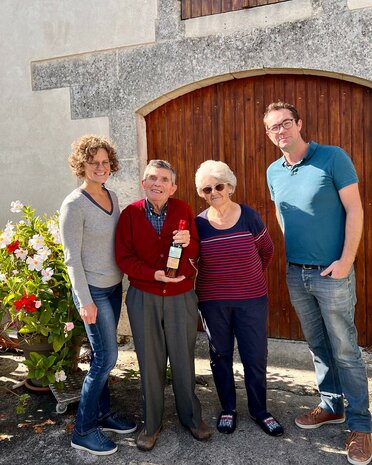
41,436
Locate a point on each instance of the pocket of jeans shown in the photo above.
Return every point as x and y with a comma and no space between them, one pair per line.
336,279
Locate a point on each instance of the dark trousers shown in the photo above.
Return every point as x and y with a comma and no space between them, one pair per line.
245,320
165,327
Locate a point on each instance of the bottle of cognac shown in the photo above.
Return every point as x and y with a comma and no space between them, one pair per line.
174,255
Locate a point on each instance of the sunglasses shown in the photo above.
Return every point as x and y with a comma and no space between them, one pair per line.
218,187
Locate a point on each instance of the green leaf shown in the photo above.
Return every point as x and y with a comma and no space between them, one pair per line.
58,342
50,361
9,297
44,331
39,373
51,378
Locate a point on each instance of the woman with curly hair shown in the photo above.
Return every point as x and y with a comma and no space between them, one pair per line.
88,221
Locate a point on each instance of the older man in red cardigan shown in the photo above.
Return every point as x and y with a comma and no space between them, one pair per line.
162,311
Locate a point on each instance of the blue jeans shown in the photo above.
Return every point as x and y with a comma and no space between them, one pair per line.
325,307
95,397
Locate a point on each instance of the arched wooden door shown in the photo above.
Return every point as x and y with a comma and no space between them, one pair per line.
224,122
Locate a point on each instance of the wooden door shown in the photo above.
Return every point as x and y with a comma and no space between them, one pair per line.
224,122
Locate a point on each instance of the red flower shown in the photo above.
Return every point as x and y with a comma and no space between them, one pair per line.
27,303
13,246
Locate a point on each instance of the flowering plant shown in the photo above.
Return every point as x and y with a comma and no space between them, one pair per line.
35,291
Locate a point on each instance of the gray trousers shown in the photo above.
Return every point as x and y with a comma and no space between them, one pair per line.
165,327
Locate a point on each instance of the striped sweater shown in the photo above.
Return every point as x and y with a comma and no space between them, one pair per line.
232,261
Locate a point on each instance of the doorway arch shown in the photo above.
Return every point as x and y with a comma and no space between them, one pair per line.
224,122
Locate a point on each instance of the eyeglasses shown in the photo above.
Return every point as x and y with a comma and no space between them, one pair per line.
96,164
286,124
218,187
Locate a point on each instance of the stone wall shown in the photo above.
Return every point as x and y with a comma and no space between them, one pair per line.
301,36
37,128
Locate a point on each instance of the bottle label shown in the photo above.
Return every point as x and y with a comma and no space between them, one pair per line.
175,252
174,257
173,263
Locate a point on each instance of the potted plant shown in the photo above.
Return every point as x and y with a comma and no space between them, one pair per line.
35,294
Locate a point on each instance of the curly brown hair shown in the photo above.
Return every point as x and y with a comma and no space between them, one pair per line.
84,149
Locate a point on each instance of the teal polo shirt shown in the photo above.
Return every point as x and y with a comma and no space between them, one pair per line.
306,196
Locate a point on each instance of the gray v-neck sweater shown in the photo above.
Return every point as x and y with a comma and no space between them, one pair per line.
88,235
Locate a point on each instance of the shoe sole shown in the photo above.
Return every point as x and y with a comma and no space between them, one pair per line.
228,431
356,462
94,452
145,449
121,431
318,425
201,438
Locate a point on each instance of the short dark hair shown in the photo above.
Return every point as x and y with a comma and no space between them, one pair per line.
275,106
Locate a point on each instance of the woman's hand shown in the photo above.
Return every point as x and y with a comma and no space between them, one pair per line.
89,313
160,276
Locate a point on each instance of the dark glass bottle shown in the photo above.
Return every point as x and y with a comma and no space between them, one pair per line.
174,255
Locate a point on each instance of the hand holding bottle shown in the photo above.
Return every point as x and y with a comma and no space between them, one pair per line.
161,276
181,237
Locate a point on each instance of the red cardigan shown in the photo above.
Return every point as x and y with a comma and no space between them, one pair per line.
140,251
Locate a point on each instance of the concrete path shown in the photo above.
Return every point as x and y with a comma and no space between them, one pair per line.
42,437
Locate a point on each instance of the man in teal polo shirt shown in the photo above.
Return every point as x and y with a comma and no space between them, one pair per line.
318,206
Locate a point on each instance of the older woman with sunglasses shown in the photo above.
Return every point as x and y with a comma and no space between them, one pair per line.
235,251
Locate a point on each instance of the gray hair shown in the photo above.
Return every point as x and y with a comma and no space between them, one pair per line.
160,164
216,169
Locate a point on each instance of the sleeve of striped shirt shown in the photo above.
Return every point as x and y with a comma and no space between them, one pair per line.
263,241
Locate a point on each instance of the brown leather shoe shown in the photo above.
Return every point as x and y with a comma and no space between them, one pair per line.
359,448
146,442
318,417
202,432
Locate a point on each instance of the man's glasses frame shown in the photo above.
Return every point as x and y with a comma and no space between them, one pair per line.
218,187
286,124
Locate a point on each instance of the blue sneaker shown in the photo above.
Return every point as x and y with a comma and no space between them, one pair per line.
117,424
95,443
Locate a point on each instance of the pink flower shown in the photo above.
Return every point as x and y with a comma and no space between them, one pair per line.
21,254
60,376
69,326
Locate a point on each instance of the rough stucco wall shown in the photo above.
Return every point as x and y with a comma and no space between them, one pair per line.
111,89
37,128
332,39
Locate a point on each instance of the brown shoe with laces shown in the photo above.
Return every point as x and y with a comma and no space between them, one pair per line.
359,448
318,417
